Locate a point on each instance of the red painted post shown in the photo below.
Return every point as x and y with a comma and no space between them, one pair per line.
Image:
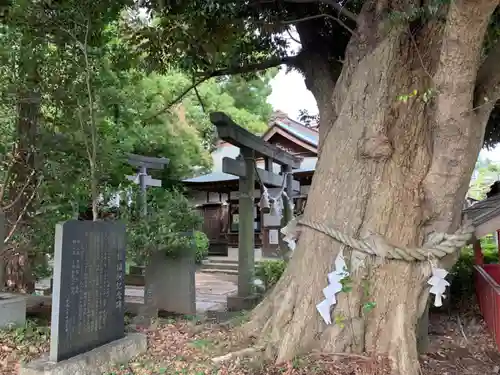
498,240
478,253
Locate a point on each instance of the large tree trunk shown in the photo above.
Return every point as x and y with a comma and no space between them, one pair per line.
394,167
24,175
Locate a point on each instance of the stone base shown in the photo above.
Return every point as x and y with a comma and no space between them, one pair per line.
95,362
12,310
237,303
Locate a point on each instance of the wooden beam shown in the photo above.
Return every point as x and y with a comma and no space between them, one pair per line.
231,132
237,168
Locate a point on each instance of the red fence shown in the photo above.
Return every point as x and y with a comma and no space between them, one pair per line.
487,279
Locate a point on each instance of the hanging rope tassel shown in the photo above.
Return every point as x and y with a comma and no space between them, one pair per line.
265,204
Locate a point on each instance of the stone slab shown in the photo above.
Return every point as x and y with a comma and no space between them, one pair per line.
12,310
88,290
94,362
237,303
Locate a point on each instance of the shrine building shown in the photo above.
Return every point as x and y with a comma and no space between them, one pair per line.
216,194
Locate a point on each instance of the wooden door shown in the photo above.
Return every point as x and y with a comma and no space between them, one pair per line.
214,228
212,222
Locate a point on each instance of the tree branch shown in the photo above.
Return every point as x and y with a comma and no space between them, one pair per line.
20,194
199,99
323,15
23,212
292,37
93,129
332,3
8,173
177,99
271,63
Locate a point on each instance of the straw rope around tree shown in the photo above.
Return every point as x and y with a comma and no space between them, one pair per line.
439,244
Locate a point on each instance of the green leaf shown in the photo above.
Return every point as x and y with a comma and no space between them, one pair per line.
339,320
369,306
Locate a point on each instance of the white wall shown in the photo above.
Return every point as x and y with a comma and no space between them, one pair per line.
228,151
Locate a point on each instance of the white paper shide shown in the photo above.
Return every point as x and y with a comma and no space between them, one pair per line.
439,285
290,234
334,286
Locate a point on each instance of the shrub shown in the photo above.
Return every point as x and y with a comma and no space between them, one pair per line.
462,273
270,271
166,228
202,244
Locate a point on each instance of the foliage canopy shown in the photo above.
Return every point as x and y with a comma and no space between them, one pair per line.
76,96
212,38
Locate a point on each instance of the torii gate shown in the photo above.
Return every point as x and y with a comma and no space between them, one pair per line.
251,148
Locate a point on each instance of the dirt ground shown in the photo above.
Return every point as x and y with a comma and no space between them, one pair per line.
459,344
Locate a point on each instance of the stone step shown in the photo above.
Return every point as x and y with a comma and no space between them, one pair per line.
220,266
228,261
220,260
220,271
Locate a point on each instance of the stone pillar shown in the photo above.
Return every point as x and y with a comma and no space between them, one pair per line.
246,250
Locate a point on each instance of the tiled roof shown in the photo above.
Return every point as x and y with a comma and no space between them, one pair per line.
212,177
483,211
311,137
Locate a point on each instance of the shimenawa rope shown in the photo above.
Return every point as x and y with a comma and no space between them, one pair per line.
439,245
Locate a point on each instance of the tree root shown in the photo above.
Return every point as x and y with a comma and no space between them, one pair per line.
286,324
239,354
316,353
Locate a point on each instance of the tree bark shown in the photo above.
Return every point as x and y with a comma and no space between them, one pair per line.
24,181
395,167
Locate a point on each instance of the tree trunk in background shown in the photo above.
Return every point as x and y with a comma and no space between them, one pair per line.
24,176
399,168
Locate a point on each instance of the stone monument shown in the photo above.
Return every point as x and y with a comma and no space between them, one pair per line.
88,301
170,284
